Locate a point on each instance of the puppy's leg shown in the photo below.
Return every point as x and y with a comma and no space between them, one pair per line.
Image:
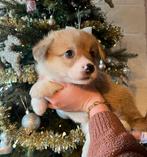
62,114
39,105
77,117
44,88
85,129
122,103
38,92
140,124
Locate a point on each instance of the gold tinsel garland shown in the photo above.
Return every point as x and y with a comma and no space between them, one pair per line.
34,140
48,139
28,74
113,32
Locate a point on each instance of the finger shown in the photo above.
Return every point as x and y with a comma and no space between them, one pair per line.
51,106
136,134
143,138
47,99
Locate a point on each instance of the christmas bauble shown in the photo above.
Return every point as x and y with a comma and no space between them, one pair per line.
31,5
31,121
51,21
102,66
108,59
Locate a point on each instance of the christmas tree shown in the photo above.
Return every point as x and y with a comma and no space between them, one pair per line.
22,24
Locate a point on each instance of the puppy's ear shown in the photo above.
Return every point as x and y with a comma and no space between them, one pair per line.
40,50
102,53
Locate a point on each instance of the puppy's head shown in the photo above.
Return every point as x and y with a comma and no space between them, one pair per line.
68,55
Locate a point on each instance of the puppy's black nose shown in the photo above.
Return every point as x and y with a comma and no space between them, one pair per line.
89,68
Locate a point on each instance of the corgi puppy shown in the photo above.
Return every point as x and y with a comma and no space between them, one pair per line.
72,56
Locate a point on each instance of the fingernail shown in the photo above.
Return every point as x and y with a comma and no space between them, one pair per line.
46,98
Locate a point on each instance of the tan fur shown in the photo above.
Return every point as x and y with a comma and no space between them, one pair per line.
49,53
121,101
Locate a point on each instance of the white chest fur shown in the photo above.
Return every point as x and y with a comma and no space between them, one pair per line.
82,118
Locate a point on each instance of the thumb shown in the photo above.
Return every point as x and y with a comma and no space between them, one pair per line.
50,105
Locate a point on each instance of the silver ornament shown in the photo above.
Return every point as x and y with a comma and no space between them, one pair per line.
102,66
51,21
111,60
31,121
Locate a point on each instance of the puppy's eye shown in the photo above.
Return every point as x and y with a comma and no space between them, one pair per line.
92,53
69,54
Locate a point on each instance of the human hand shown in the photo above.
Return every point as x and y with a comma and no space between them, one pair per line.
75,98
140,136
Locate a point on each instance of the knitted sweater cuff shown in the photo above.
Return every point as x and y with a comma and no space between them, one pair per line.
108,137
102,122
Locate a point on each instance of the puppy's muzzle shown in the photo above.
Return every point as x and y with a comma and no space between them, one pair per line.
89,68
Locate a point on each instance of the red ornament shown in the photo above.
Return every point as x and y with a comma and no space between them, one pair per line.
31,5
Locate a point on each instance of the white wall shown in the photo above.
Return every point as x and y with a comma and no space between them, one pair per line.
131,16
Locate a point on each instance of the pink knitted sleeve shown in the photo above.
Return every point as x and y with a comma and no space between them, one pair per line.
108,138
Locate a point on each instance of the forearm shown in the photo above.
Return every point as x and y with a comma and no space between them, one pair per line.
109,138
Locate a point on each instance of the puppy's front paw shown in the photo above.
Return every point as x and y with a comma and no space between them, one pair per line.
44,88
39,106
